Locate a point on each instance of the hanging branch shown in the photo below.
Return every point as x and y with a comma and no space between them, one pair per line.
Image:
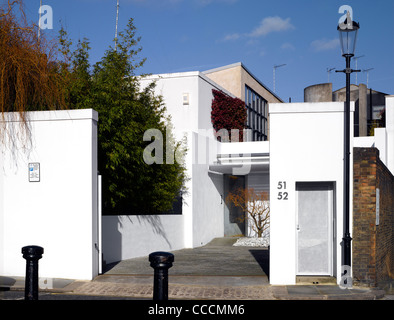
28,72
29,77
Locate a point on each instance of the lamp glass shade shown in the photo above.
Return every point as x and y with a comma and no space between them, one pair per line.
348,37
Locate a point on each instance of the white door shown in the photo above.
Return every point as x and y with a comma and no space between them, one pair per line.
314,224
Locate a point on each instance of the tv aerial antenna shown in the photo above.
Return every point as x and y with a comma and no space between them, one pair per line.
276,67
328,73
356,59
367,71
116,28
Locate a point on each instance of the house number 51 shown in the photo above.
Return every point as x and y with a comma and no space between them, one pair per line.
282,195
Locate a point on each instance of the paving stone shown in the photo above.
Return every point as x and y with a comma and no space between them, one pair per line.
175,291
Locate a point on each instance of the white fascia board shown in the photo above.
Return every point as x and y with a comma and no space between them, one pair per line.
80,114
156,77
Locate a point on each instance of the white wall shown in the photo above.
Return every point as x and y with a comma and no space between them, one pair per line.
172,87
206,196
59,213
126,237
197,114
208,203
306,145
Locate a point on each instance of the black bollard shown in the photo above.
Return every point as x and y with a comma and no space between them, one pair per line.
32,254
161,262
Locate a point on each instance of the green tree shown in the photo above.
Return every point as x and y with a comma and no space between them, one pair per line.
126,112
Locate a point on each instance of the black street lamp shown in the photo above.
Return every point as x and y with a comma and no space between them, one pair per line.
348,35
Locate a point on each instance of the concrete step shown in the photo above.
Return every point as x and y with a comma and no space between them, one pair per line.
316,280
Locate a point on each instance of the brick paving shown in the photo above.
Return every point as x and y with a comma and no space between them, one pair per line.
175,291
201,292
217,271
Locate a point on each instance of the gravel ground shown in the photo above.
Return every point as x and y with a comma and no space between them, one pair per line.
252,242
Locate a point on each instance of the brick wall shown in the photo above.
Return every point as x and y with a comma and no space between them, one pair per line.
373,245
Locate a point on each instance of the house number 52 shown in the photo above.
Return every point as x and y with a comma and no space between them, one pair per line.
282,194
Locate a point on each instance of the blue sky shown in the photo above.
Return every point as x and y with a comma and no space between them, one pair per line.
191,35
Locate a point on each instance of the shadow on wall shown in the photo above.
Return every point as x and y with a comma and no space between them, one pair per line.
111,240
131,236
17,141
217,180
155,222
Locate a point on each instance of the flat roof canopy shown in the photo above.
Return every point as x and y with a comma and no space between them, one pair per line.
241,164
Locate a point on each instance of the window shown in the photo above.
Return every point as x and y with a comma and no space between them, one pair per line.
256,108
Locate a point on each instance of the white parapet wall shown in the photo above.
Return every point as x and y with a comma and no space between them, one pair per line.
48,193
133,236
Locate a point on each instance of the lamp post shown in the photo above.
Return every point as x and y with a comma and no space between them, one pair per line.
347,36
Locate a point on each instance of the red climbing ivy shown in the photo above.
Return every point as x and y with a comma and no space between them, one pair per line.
227,113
